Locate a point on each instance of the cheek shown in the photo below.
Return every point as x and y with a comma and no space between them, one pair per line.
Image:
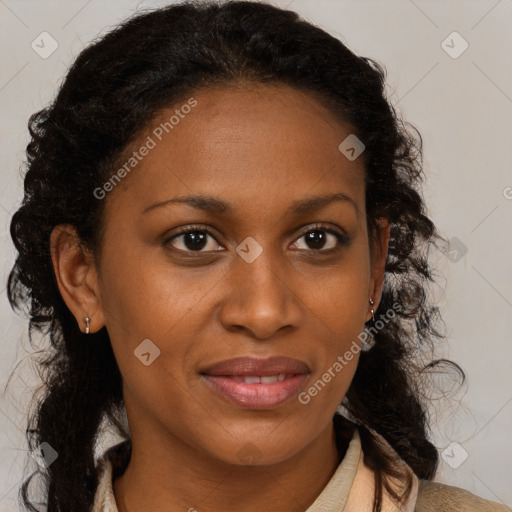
339,295
148,299
339,303
145,295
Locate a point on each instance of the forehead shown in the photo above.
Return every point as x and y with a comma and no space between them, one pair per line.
258,144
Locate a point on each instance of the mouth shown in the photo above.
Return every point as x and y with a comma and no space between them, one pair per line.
252,383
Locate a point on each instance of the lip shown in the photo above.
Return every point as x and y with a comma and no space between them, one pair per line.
225,378
256,396
241,366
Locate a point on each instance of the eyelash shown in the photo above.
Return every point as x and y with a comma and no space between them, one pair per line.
342,238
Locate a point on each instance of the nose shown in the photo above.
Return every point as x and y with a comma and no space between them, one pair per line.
260,298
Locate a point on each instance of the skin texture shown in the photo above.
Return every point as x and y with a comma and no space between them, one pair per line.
260,148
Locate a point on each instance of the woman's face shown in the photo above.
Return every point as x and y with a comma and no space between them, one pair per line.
259,275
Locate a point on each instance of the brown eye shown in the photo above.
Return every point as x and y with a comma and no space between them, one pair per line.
192,239
319,237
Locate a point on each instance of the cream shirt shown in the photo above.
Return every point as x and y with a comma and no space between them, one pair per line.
347,490
350,489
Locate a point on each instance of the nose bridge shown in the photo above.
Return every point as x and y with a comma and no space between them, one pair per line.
259,298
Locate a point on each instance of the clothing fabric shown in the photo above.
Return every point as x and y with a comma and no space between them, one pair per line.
350,489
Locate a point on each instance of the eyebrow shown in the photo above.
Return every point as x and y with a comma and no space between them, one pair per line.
210,204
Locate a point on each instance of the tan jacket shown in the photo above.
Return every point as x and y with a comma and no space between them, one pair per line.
349,490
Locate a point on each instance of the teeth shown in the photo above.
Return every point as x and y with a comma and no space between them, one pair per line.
267,379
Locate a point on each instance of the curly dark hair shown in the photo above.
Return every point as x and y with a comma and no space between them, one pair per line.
108,96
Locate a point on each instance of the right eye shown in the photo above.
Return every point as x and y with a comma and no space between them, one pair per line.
191,239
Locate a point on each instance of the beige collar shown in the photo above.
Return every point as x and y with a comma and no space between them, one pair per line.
349,490
361,494
351,487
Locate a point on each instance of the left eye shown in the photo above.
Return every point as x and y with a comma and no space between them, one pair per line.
317,237
195,240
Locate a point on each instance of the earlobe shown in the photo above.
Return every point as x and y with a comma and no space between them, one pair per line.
76,277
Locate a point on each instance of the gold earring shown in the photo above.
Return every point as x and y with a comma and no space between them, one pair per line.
371,310
87,321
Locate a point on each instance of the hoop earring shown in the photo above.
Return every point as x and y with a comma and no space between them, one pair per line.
87,321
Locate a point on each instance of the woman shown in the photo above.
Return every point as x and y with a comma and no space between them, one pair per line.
224,235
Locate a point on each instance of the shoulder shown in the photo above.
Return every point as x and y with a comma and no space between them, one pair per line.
436,497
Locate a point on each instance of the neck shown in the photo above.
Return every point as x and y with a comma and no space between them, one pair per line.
183,479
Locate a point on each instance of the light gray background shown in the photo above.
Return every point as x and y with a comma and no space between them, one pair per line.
463,108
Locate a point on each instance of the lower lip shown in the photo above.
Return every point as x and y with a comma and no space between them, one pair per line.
258,395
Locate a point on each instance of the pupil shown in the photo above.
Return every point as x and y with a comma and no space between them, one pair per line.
197,239
315,238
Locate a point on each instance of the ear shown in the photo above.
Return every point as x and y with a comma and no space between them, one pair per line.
378,262
76,276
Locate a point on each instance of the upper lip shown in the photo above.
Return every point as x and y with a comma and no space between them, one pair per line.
257,367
